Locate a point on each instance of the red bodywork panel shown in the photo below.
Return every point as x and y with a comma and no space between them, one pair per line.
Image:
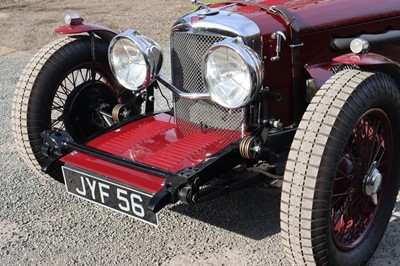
320,73
137,179
101,31
73,29
159,141
315,15
364,59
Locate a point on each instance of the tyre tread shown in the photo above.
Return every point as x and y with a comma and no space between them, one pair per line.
20,103
303,163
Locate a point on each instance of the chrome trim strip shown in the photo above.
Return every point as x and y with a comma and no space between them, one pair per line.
225,23
183,94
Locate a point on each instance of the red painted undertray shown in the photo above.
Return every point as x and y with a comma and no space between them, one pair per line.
160,141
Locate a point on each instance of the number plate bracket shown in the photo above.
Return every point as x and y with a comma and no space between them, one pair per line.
109,193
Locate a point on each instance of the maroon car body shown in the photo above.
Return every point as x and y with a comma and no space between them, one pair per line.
319,112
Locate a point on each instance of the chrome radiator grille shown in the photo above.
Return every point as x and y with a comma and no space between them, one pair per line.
187,51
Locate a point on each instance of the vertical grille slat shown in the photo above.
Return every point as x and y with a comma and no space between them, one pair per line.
187,54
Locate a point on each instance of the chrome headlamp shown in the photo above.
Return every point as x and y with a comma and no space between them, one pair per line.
232,72
134,59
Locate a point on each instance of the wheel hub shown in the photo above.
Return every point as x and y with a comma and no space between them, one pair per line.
372,184
80,108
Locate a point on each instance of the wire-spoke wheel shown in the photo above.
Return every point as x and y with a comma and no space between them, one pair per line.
359,184
342,174
61,87
76,77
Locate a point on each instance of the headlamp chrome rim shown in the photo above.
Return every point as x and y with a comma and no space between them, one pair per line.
149,49
253,64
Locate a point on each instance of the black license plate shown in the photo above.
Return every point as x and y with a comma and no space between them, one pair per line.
110,194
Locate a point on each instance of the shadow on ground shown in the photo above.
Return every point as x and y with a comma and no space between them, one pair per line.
253,213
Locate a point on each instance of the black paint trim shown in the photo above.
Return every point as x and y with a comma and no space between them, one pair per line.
119,160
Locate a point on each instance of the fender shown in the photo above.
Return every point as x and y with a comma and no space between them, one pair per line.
320,73
368,59
103,32
375,62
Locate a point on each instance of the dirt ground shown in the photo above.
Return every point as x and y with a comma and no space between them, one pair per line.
27,25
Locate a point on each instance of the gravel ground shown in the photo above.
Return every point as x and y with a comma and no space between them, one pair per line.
40,224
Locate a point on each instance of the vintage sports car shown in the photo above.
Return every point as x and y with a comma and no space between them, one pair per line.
300,94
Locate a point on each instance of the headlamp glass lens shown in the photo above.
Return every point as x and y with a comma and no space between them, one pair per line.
228,77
